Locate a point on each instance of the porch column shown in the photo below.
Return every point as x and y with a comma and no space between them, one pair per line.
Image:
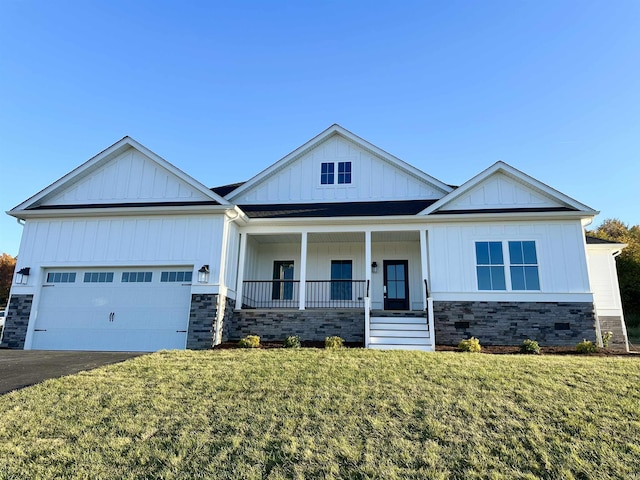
302,295
423,263
367,257
240,279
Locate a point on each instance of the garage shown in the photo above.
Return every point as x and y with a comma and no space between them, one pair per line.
113,309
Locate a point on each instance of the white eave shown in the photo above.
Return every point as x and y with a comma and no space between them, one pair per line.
119,211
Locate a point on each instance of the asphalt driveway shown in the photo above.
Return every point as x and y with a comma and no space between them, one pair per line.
22,368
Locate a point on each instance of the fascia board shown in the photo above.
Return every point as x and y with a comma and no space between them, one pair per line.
516,174
123,211
606,246
321,137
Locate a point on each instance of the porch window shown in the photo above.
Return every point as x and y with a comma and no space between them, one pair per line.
524,266
326,173
490,266
341,276
344,172
283,271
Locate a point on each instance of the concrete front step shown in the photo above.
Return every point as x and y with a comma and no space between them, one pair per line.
423,348
403,320
399,326
378,332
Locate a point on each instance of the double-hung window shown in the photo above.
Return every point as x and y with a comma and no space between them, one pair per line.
326,173
344,172
341,276
522,266
490,266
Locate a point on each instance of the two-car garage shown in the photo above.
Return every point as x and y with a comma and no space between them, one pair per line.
113,309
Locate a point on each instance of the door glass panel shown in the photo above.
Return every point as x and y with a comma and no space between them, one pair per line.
282,270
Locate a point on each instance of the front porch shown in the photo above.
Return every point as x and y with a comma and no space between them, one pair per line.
319,284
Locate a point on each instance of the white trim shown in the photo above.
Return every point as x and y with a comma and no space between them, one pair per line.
423,264
118,211
241,266
302,289
517,175
519,296
336,129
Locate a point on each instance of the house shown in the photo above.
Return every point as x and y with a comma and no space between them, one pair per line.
339,237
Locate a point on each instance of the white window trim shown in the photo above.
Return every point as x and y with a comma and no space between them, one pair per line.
506,259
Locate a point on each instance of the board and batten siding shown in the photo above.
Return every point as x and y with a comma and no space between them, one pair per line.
114,241
371,179
560,251
604,281
131,177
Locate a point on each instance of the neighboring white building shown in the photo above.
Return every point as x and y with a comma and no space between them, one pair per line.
127,252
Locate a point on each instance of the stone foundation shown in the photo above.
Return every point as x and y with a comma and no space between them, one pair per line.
309,325
614,325
17,321
202,318
509,323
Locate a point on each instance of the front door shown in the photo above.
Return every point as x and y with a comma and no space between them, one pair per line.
396,285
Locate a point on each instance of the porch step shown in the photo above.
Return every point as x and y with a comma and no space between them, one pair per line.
422,348
400,333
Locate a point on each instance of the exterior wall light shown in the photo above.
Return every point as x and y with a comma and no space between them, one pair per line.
203,274
22,277
374,267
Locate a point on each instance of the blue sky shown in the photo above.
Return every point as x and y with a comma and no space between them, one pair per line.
222,90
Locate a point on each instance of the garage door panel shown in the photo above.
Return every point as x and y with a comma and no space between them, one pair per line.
130,316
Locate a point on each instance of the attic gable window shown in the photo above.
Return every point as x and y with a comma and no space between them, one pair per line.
344,172
327,173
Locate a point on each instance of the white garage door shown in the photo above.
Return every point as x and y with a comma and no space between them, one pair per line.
126,309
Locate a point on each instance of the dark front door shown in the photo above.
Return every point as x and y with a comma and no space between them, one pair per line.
396,285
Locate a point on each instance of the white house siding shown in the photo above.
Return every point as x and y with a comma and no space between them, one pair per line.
560,250
231,256
372,179
604,281
410,251
501,191
130,177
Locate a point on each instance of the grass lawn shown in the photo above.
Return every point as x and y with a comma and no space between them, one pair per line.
329,414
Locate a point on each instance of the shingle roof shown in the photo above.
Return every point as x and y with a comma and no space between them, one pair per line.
223,190
599,241
336,209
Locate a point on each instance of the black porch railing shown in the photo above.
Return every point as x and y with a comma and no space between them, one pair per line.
271,294
335,293
266,294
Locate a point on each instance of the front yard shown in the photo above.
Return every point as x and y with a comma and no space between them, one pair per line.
314,413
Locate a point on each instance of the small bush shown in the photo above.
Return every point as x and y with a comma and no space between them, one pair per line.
470,345
606,338
250,341
586,346
530,347
333,342
292,342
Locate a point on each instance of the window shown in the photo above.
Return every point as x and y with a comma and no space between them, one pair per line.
326,174
490,266
176,276
98,277
139,277
344,172
524,266
61,277
282,289
341,276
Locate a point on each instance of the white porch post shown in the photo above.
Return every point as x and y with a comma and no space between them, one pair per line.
423,262
303,271
240,279
367,276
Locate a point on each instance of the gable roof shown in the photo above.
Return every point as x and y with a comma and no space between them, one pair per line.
562,202
39,200
336,129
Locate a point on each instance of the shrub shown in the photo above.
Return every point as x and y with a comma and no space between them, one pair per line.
530,346
292,342
250,341
333,342
606,338
470,345
586,346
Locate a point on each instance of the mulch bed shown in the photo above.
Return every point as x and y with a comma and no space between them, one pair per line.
490,349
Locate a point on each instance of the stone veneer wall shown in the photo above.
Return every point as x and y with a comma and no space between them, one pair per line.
614,325
309,325
227,318
509,323
15,325
202,318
